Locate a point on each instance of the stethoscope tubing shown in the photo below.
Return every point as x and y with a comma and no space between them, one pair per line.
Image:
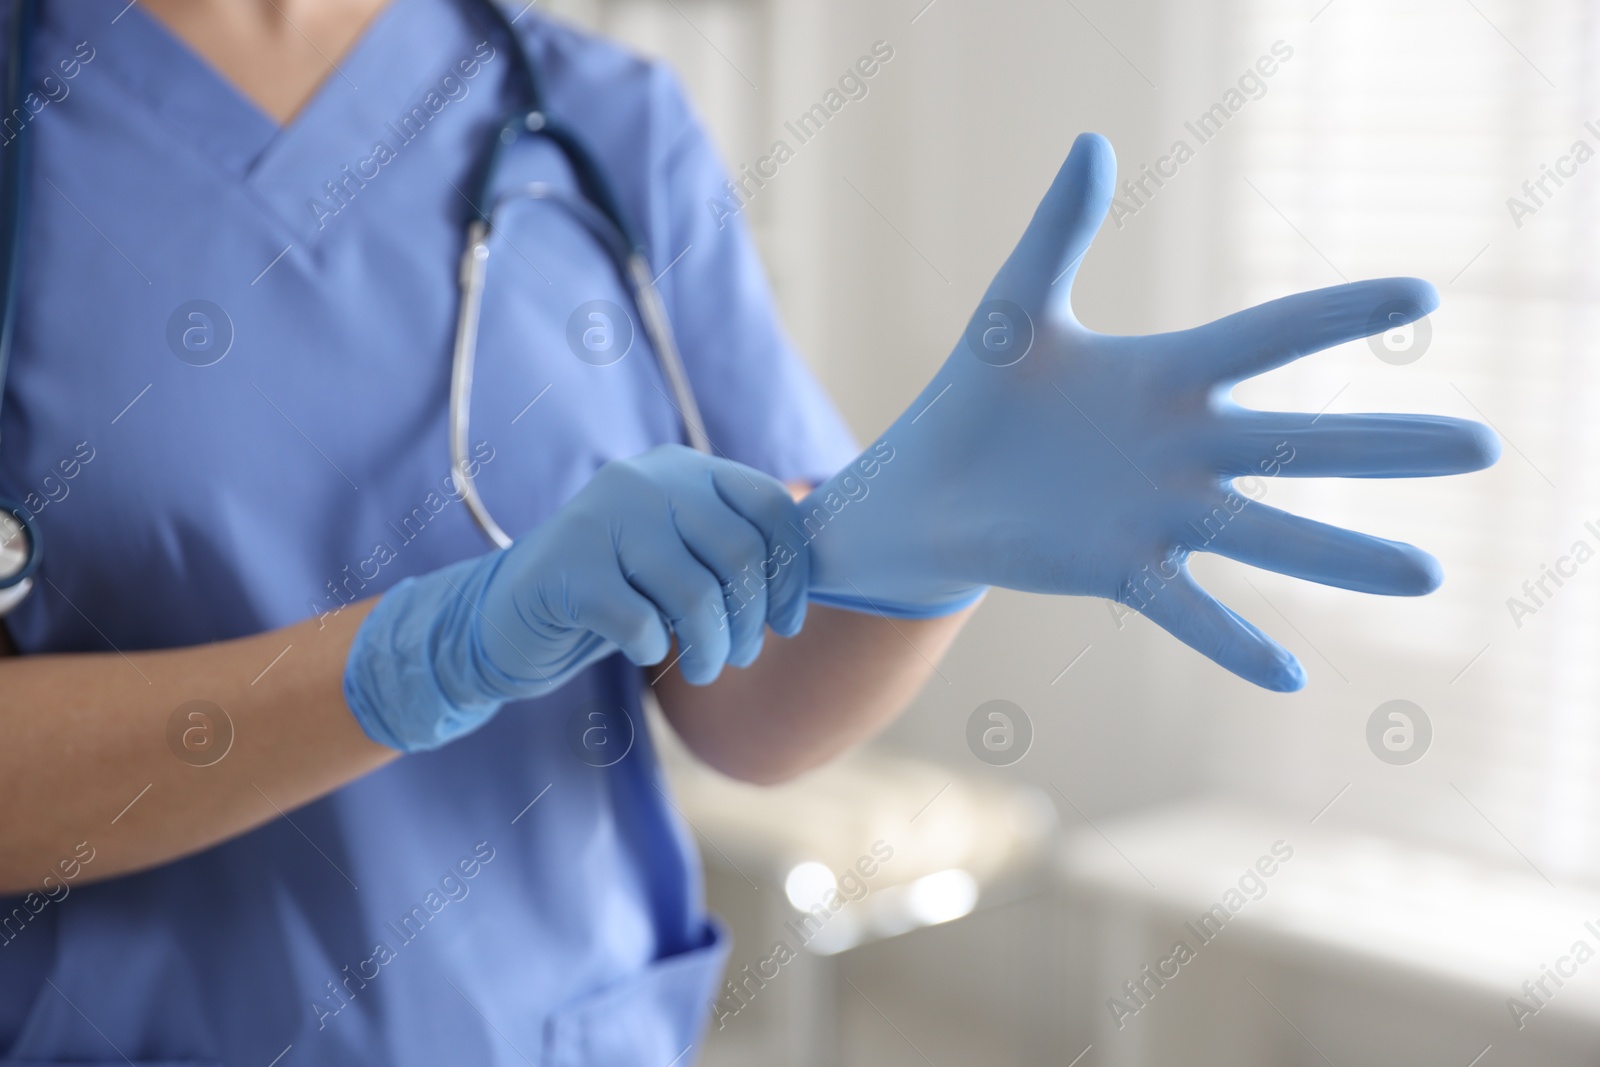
600,210
634,268
14,585
597,207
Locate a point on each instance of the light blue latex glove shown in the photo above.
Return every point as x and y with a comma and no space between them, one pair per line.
671,543
1049,458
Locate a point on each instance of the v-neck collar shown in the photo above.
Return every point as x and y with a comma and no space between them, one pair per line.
162,73
406,46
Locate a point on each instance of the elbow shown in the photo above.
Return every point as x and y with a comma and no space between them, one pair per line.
33,892
24,859
768,761
773,774
755,768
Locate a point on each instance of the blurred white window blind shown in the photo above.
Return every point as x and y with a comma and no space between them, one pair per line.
1391,143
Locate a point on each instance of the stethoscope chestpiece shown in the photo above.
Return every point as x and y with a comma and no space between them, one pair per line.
19,553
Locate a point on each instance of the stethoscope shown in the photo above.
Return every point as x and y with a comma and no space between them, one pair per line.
593,205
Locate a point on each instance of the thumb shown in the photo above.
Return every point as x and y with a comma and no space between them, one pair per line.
1040,270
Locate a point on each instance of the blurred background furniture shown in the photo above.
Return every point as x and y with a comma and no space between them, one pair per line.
902,843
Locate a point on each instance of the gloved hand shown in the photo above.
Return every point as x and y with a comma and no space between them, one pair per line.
1052,459
669,543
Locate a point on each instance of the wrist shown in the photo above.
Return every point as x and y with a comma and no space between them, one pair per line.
869,552
935,608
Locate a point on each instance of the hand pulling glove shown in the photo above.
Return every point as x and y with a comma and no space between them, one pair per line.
669,544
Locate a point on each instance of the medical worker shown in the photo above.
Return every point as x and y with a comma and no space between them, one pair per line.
297,770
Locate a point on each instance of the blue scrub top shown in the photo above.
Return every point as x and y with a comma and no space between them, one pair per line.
199,479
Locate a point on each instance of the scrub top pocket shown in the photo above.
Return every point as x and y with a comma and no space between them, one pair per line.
653,1017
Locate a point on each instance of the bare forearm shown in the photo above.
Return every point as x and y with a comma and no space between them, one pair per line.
92,754
808,698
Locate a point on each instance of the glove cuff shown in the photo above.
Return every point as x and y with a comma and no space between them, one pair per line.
898,609
415,638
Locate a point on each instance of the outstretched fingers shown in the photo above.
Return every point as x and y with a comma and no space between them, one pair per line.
1267,336
1039,271
1304,445
1275,540
1199,620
